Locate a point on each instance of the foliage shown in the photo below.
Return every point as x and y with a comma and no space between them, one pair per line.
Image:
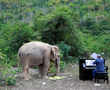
22,33
58,26
7,74
65,49
76,26
14,35
53,68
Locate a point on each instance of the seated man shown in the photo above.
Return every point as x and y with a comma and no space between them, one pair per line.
99,65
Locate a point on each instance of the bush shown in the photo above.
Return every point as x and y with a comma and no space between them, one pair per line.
57,26
13,36
7,74
53,69
65,49
22,33
62,66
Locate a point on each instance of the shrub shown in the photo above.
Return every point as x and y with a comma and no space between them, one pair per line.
14,35
53,69
22,33
65,49
57,26
7,74
62,66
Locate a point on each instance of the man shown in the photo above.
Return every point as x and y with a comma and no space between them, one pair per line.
99,65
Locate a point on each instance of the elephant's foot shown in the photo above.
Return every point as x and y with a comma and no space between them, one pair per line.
44,77
39,76
27,77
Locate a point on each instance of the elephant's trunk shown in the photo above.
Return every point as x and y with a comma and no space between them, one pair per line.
57,64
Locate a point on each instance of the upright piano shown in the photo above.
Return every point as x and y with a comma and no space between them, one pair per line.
86,67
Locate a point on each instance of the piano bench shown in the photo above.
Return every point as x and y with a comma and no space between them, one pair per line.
102,75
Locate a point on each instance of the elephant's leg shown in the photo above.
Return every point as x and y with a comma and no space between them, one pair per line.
26,72
40,70
45,68
44,72
48,71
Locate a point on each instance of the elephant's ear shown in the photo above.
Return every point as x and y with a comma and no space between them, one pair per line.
54,51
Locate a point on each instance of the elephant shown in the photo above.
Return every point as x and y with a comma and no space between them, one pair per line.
36,53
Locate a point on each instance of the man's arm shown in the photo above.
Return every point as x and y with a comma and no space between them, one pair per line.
94,62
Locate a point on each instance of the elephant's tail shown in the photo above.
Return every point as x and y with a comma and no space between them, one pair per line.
20,55
20,58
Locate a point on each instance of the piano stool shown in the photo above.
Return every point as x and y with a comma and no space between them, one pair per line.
102,75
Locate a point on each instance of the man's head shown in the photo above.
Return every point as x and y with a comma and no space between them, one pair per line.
98,56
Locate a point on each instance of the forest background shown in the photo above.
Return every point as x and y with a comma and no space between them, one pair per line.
78,27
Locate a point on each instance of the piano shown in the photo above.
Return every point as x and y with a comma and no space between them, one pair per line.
86,67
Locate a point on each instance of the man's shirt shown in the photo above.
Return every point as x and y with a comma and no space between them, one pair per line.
99,65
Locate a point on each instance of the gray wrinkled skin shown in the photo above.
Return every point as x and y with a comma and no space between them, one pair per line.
38,54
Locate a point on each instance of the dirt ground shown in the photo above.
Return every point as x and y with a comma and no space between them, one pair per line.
69,82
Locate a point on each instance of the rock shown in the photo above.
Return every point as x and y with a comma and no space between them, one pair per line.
97,85
44,83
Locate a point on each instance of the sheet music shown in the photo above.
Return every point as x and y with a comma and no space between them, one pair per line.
89,62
